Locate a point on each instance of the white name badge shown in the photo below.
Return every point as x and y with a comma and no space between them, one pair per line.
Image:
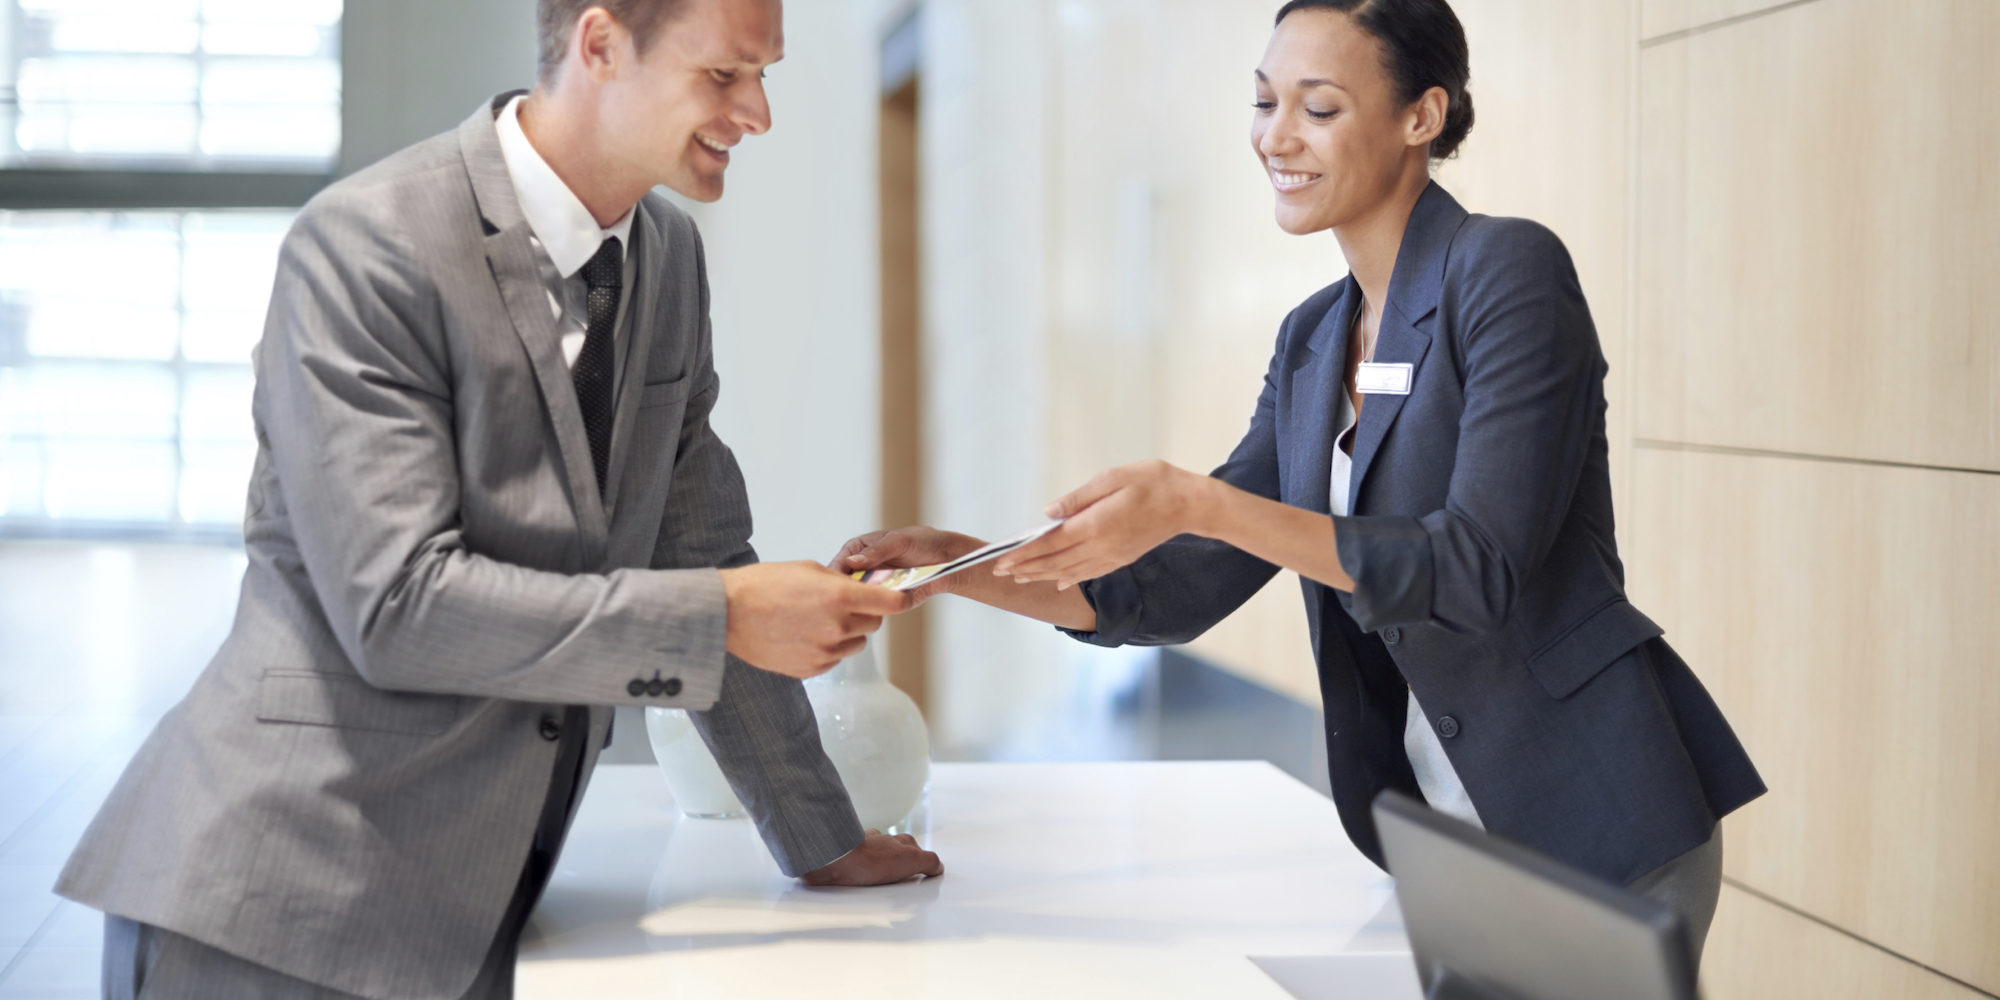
1390,380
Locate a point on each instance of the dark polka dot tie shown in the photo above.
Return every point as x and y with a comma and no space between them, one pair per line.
595,365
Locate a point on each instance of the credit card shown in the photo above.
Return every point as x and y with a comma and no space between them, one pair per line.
912,577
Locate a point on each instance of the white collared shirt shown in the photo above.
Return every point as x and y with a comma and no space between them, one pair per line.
564,234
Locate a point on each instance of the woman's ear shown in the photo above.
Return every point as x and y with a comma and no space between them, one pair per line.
1425,118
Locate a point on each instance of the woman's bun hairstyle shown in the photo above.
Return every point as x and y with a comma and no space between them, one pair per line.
1423,46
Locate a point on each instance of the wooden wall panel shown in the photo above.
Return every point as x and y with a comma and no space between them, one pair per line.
1760,951
1841,613
1664,17
1228,276
1817,233
1551,86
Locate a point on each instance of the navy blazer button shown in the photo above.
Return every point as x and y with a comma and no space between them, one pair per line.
1447,727
656,688
1392,635
673,686
636,689
551,729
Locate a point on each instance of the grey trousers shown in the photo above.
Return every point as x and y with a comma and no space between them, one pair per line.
1689,885
143,961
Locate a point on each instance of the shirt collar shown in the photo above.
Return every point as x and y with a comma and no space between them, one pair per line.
568,233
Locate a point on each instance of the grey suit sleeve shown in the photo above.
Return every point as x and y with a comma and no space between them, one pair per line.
762,730
1181,589
1533,387
354,397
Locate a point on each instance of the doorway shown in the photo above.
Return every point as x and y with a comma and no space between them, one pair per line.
905,638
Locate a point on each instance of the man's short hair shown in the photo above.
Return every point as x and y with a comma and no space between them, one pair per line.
555,19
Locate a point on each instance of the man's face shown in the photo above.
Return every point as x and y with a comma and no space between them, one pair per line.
675,111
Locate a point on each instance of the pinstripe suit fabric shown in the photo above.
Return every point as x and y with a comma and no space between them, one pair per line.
348,793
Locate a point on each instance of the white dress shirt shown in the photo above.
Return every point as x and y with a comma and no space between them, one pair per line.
565,237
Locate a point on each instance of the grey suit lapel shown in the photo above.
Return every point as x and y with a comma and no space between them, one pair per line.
1315,406
648,277
511,256
1414,291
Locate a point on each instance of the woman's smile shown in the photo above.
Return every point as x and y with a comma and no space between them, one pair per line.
1288,181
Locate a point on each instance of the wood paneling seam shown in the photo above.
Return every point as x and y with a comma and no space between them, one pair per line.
1844,932
1880,463
1675,36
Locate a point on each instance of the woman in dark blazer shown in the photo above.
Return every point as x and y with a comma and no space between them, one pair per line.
1455,542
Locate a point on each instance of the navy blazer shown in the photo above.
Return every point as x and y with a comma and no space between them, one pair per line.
1486,573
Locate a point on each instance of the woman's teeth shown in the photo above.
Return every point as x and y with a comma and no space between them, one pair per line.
711,143
1292,180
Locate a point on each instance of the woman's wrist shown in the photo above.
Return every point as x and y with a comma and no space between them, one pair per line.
1207,506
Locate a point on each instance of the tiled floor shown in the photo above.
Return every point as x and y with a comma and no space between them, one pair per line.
96,641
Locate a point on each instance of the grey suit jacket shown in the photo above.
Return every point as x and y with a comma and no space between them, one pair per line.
1487,577
349,791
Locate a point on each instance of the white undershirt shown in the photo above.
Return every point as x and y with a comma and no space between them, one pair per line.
1435,775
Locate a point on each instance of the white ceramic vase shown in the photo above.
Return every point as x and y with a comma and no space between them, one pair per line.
692,774
875,737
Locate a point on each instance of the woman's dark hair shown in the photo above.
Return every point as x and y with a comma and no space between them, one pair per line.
1423,46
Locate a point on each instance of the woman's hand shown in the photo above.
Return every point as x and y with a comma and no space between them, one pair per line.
913,546
1112,520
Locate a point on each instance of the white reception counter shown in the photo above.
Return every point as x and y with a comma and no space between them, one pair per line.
1084,880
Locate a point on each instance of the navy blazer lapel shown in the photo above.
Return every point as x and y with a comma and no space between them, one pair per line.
1397,342
1414,290
1316,382
511,257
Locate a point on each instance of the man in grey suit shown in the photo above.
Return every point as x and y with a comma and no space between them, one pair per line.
487,506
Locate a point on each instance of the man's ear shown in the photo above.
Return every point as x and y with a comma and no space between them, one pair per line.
598,43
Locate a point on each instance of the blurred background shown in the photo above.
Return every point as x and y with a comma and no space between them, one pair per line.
993,246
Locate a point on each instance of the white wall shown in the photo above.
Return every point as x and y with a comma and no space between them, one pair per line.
793,270
795,266
414,68
989,254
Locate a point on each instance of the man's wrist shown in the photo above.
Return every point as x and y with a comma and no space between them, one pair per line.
843,857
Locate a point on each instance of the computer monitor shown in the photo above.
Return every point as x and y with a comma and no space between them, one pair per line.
1492,920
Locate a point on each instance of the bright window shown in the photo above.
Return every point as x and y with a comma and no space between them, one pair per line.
177,84
125,404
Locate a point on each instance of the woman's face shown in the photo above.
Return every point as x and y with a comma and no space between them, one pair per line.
1329,129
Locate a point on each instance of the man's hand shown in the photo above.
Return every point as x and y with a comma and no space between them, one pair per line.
880,860
912,546
801,619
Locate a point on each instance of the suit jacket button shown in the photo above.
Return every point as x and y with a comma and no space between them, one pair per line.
656,688
636,689
673,686
1447,727
551,729
1392,635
